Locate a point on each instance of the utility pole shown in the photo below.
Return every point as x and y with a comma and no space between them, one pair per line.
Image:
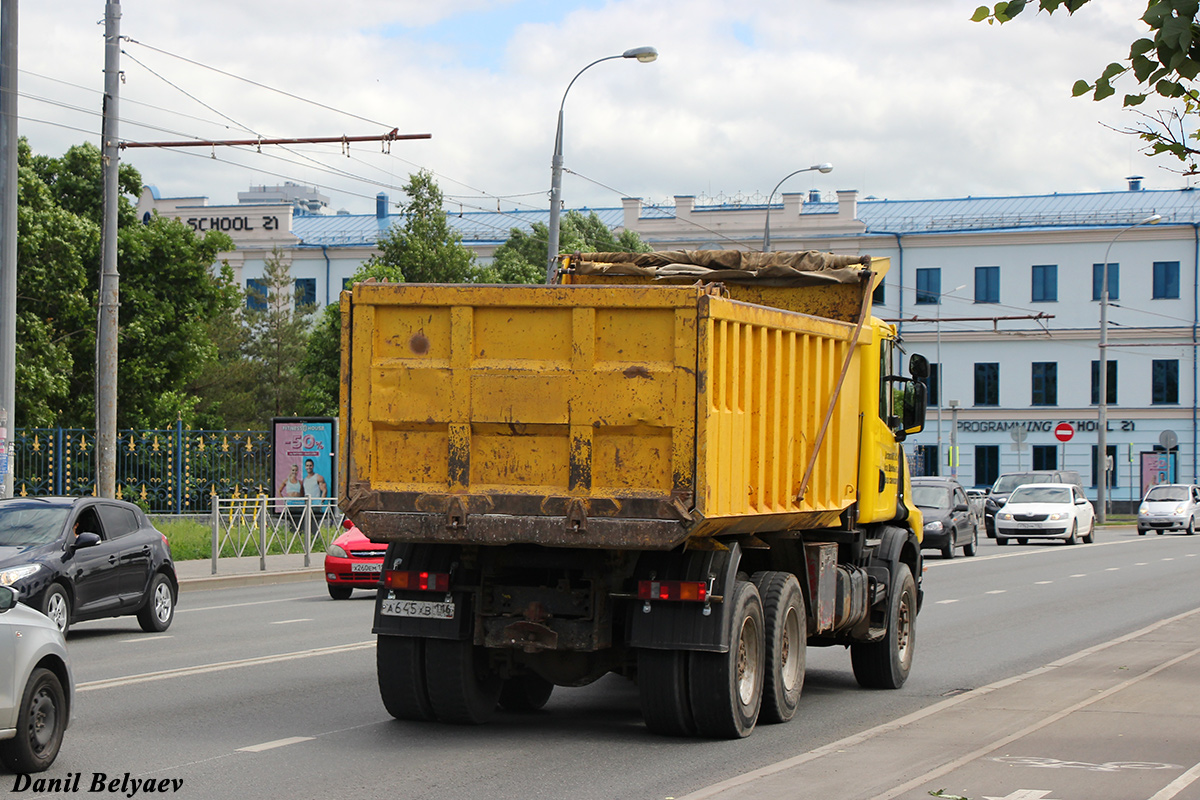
8,238
110,280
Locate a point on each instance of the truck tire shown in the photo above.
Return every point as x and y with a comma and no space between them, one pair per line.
462,689
400,671
663,691
885,664
525,693
786,633
727,688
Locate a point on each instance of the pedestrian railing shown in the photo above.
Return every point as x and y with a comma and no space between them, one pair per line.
249,526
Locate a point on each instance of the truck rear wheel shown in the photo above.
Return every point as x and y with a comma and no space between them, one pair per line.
663,691
400,670
727,688
525,693
786,634
462,689
885,664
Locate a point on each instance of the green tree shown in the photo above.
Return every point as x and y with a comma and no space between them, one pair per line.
424,248
322,359
1165,63
277,335
167,293
522,259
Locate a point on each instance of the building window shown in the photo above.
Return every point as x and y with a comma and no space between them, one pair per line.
1112,475
987,384
1045,283
933,385
256,294
1045,456
1114,281
929,285
1166,280
987,464
927,459
987,284
306,293
1045,383
879,296
1164,382
1110,383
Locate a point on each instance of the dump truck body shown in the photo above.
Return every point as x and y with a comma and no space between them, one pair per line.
567,459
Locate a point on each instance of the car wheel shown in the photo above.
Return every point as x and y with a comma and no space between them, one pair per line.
156,615
340,592
948,550
1001,541
57,606
1074,537
1022,541
1091,534
40,724
972,545
1191,528
1141,531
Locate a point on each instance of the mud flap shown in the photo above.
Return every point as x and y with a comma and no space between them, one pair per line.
667,625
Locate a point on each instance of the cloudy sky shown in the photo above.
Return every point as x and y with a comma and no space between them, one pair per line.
908,99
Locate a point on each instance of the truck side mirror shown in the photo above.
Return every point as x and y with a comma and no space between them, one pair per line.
918,366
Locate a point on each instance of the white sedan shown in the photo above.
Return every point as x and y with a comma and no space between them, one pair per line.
36,686
1046,511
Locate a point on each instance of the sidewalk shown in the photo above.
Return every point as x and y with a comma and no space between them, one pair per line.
197,575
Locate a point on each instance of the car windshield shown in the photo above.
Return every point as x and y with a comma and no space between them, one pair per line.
931,497
1006,483
1041,494
1168,493
24,524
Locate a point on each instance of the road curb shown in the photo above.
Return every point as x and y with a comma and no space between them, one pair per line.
250,579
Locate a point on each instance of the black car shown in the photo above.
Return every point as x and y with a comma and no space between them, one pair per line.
81,558
949,521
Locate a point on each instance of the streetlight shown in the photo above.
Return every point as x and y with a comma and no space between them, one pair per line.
643,54
940,371
822,168
1102,415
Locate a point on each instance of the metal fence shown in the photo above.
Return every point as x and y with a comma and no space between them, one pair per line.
260,526
170,471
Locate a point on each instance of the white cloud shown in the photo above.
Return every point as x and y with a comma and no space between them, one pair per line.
907,99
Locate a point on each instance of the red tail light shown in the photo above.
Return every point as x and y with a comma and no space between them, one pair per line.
696,591
417,581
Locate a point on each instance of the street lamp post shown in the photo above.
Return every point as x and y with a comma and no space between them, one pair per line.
643,54
940,372
822,168
1102,414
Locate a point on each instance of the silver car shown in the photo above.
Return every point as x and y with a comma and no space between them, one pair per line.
1169,506
36,686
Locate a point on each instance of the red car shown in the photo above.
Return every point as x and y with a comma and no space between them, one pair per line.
352,562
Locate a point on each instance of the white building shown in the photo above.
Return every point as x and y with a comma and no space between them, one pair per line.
1000,293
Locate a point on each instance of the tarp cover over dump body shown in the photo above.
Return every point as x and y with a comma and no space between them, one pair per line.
622,416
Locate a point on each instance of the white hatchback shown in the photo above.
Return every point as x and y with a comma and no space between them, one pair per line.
1169,506
36,686
1046,511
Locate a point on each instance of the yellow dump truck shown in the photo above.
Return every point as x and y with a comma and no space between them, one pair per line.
682,467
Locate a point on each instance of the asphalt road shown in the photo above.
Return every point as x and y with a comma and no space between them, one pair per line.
270,691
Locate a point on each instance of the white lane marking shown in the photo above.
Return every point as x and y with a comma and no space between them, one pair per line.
1190,555
258,748
1168,559
1141,563
1042,583
220,666
1113,569
1178,785
1022,553
254,603
946,602
147,639
1079,575
746,778
290,621
997,591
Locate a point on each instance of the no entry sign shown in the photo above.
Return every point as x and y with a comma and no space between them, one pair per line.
1063,431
